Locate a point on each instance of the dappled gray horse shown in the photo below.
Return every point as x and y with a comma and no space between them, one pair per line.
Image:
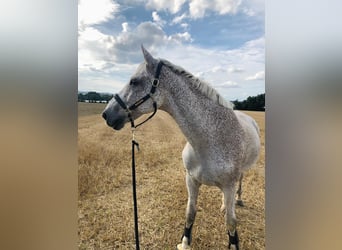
222,143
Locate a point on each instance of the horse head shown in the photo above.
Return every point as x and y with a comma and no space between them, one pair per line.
139,96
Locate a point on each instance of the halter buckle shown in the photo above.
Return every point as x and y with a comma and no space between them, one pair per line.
155,83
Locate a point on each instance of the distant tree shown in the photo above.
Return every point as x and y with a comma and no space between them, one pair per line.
106,97
255,103
93,96
81,97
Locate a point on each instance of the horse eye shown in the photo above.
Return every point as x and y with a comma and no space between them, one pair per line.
133,82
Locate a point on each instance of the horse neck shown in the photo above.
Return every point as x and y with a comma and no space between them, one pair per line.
194,112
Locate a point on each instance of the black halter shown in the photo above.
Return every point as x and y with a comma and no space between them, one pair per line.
129,109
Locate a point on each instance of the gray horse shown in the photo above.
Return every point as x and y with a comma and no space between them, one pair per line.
222,143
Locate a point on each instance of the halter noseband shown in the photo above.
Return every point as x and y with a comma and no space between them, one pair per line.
129,109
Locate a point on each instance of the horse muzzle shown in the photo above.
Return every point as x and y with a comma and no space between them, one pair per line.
117,122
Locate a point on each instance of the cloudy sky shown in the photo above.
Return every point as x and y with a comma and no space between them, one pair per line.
220,41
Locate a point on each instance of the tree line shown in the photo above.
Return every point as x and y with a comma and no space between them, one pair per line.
254,103
93,96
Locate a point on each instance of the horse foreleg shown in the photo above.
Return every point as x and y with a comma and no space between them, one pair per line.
229,200
193,188
239,192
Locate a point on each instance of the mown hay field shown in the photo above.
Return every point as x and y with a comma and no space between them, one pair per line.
105,211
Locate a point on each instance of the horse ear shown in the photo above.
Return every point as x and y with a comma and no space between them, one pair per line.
148,58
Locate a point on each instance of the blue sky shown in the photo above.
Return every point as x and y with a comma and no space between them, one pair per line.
219,41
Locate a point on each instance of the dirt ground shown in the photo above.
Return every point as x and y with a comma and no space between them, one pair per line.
105,211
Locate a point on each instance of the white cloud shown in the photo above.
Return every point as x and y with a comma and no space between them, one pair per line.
199,74
198,8
92,44
253,8
249,12
218,62
227,85
107,61
246,60
96,48
125,27
233,69
260,42
258,76
181,37
155,16
184,25
217,69
171,5
157,19
115,59
90,34
105,58
179,19
125,46
92,49
94,12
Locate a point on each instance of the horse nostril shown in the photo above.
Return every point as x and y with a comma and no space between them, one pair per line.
104,115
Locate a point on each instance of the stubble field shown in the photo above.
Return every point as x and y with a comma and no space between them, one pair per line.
105,211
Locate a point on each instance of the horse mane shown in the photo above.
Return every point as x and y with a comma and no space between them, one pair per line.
200,85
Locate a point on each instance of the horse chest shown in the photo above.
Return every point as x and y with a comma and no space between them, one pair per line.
210,174
206,165
203,176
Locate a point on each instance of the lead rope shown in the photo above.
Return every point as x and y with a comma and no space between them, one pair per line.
136,144
136,229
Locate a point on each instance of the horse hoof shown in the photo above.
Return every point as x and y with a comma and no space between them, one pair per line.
233,247
240,203
180,247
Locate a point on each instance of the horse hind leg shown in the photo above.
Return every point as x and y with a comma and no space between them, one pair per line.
239,192
193,189
229,200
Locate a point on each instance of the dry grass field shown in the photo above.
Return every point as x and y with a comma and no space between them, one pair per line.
105,213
